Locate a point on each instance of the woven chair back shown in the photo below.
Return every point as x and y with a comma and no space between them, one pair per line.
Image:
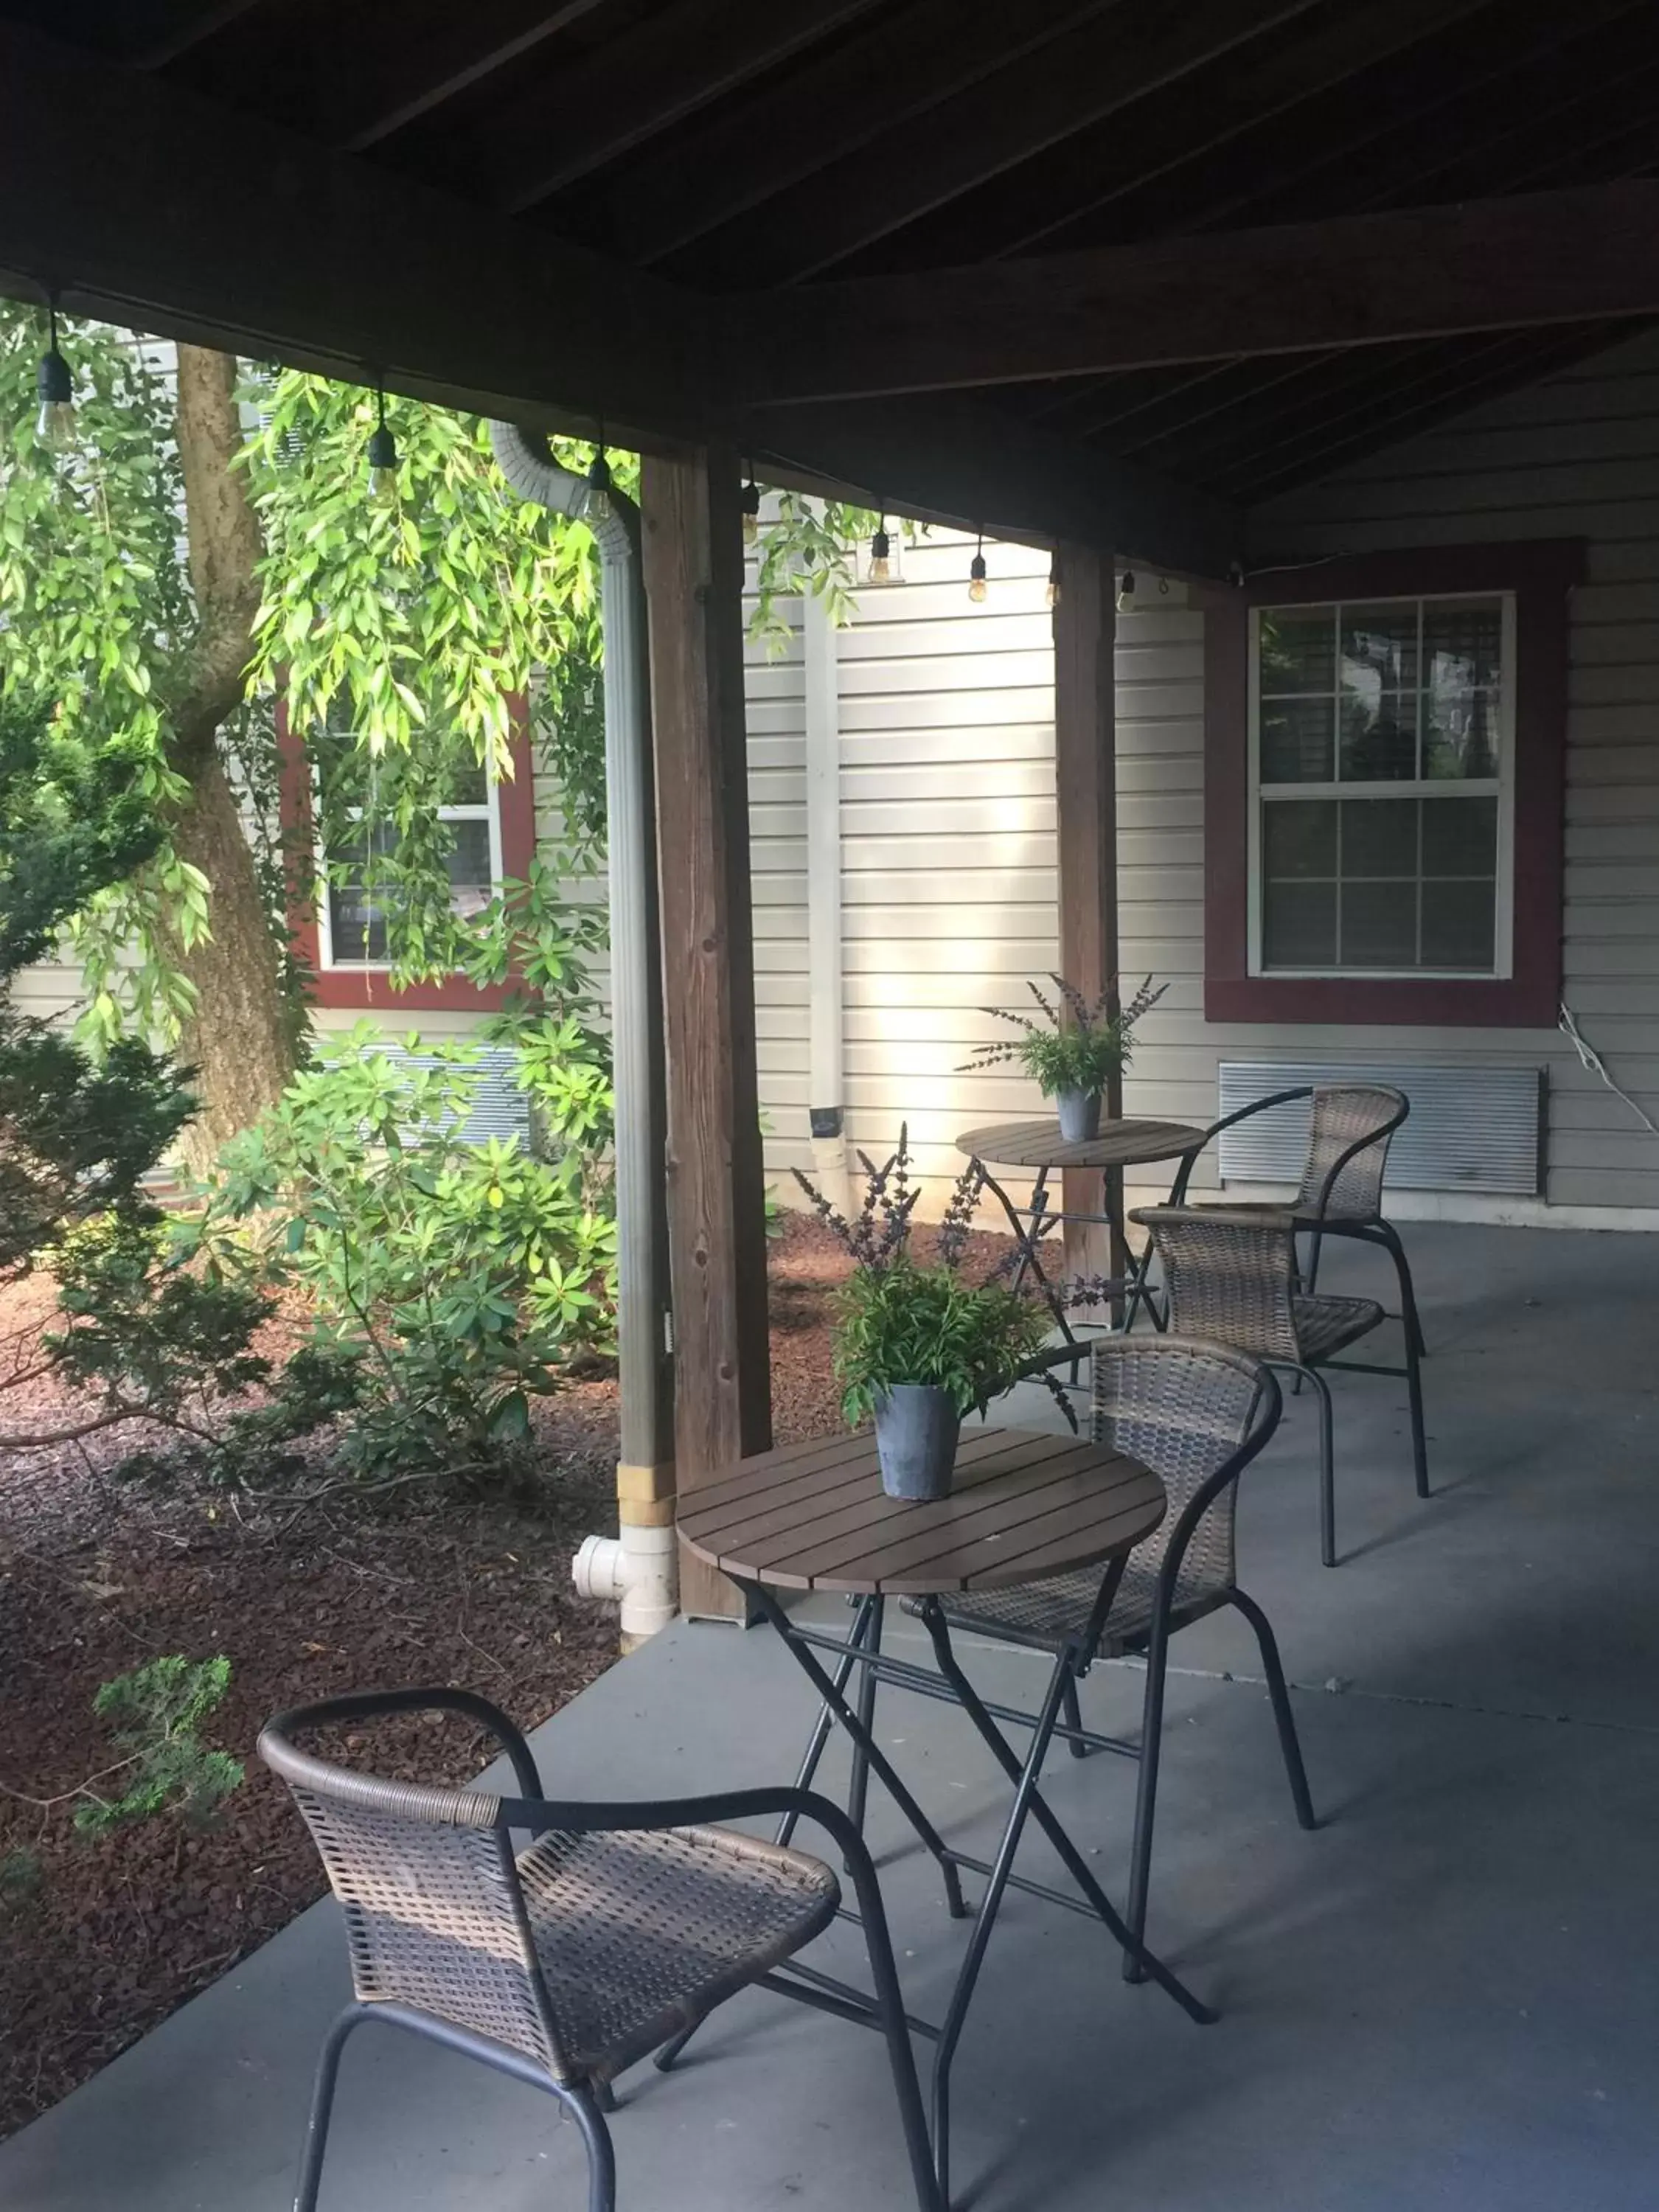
1182,1410
1343,1115
433,1913
1229,1278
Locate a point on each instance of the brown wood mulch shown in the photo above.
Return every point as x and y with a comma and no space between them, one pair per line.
100,1939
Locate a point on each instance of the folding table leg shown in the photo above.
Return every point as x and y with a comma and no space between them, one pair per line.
823,1683
826,1719
1071,1857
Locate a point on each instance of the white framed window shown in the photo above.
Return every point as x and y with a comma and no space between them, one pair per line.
1381,749
351,910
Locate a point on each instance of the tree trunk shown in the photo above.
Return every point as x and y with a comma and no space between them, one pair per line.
240,1039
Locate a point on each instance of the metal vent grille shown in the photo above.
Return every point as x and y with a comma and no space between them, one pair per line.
1470,1128
500,1108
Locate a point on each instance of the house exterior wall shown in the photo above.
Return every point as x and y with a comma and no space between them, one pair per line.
1575,456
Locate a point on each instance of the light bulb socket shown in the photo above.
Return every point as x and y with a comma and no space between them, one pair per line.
53,381
976,569
749,498
382,448
881,546
1125,592
598,473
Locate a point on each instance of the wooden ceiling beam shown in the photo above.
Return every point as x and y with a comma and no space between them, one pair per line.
1095,70
362,272
904,61
404,76
555,129
1073,197
979,466
1538,258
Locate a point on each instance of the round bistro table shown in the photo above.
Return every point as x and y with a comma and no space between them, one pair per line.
1039,1145
814,1516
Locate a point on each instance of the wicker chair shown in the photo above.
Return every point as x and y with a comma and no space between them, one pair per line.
1197,1414
616,1927
1350,1126
1230,1274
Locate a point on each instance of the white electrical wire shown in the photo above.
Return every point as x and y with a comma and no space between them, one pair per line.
1591,1061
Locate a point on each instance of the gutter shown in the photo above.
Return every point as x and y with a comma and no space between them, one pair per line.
639,1567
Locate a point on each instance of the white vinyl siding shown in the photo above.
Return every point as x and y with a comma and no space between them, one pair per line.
1575,456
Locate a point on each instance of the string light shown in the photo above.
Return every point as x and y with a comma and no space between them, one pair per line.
976,585
382,457
1052,595
55,425
881,553
599,506
1126,593
750,502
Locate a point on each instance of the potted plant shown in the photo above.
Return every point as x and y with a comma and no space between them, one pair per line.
917,1344
1072,1060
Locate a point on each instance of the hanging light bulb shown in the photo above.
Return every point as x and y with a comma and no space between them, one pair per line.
977,574
1126,593
382,458
55,424
599,506
1052,595
750,503
881,555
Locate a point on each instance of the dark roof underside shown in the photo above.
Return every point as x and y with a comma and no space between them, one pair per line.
741,144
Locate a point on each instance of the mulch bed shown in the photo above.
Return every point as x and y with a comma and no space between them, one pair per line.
96,1578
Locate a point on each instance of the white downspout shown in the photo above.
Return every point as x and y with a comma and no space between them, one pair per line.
639,1567
825,1090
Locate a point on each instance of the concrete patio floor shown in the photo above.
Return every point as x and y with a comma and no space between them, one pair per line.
1448,1997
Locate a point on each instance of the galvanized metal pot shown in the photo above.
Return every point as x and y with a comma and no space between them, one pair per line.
917,1425
1079,1116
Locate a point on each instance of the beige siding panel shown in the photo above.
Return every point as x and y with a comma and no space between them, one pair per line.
1576,455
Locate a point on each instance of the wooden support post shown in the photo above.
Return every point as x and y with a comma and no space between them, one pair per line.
1086,795
693,567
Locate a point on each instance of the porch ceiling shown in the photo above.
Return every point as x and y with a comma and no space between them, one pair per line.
646,158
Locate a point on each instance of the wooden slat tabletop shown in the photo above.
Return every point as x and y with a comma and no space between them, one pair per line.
1040,1145
815,1516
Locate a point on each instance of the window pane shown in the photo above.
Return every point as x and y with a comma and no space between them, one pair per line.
1379,732
1379,925
1298,649
469,786
1460,735
1463,651
1298,837
1296,740
469,885
356,921
1379,838
1298,924
1460,837
1379,644
1458,924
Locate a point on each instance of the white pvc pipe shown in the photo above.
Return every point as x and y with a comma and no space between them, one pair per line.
642,1299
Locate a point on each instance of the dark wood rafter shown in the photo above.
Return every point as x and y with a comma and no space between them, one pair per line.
493,323
559,127
1086,816
693,567
877,79
400,80
1068,198
1093,72
1384,426
968,458
1585,254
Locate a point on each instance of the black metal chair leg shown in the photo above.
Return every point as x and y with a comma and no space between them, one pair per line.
1152,1742
322,2106
601,2158
1389,1237
857,1789
1326,1467
1419,1441
1284,1718
1315,1246
1071,1713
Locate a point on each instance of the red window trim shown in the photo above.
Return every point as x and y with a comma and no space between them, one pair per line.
1540,573
368,990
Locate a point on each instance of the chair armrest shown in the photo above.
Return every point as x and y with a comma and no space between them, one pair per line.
370,1704
1178,1187
1233,1218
